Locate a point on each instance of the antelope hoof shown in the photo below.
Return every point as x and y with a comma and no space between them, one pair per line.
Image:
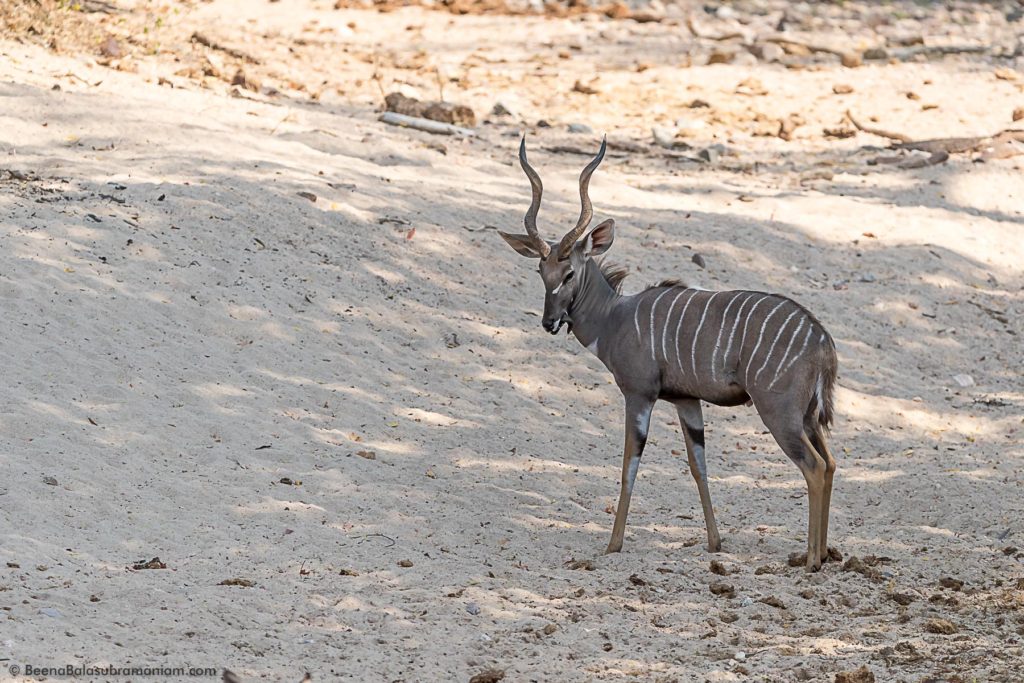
613,547
812,566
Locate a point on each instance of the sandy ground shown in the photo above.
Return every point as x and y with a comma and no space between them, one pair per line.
350,403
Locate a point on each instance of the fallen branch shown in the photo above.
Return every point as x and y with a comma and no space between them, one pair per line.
998,146
198,37
426,125
876,131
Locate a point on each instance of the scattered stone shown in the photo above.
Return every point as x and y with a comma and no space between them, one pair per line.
244,583
155,563
950,583
369,455
723,589
861,675
473,608
489,676
243,81
940,626
443,112
876,53
550,628
502,108
767,52
585,88
636,580
52,612
963,380
50,481
711,154
797,559
110,48
587,565
855,564
581,128
720,57
1018,113
663,137
839,133
348,572
903,599
405,563
308,195
1005,74
716,566
773,601
842,89
729,617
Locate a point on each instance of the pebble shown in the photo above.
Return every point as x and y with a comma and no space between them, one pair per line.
51,612
580,128
964,380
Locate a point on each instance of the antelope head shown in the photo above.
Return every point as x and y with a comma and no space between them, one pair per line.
561,263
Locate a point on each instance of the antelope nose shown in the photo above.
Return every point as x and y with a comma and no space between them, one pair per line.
550,324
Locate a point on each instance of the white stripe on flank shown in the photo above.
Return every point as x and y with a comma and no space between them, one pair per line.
636,321
679,356
760,338
732,334
789,347
746,325
807,338
664,328
771,350
654,306
718,340
696,335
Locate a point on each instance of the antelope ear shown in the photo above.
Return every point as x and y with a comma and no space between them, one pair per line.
599,240
521,243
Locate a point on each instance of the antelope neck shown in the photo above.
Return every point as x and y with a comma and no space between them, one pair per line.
593,302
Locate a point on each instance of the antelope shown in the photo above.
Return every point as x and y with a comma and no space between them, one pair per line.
685,345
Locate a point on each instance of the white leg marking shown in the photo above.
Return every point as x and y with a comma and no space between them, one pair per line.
664,328
771,349
679,356
732,334
718,340
634,466
696,335
807,338
592,347
760,337
789,347
654,306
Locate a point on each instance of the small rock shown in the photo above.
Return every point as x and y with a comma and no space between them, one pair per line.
405,563
861,675
723,589
1018,113
842,89
52,612
876,53
550,628
473,608
489,676
773,601
720,569
110,48
710,154
369,455
729,617
1005,74
664,137
746,601
950,583
502,108
720,57
902,598
636,580
308,195
963,380
243,81
689,126
940,626
50,481
768,52
585,88
581,128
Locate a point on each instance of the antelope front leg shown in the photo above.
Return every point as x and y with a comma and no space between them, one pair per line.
691,419
638,420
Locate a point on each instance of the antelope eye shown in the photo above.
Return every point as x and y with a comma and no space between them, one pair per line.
568,276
